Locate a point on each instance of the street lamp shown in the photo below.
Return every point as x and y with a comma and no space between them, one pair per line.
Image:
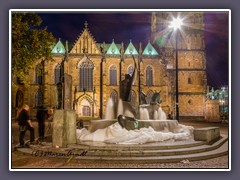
176,25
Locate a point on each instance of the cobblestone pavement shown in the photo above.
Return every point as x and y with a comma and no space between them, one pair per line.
20,160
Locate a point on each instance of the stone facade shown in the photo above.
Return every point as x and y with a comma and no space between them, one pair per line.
92,103
192,77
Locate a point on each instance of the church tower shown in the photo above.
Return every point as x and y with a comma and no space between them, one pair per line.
192,79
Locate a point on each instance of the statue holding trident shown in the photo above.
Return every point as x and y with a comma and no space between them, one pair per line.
126,84
128,118
125,95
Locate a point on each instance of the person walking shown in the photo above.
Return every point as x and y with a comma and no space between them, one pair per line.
25,124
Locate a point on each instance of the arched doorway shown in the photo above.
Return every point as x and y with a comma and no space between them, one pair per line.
84,108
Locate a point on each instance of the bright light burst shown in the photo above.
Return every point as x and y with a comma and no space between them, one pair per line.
176,23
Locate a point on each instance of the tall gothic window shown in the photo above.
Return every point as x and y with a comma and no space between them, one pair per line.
113,76
39,74
57,74
149,76
149,96
86,76
114,96
39,98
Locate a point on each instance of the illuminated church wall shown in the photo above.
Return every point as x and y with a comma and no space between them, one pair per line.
192,72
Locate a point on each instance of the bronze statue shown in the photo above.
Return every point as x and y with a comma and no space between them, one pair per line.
126,85
128,123
155,98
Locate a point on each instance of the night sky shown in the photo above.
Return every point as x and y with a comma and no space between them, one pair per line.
123,26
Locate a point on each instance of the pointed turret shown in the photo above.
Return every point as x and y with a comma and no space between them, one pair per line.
59,47
131,49
150,50
113,49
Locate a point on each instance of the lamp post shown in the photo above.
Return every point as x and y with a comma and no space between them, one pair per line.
103,53
176,25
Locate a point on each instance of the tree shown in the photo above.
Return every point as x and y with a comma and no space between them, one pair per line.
30,43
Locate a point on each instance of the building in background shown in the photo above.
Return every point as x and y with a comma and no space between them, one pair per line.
97,69
220,95
192,78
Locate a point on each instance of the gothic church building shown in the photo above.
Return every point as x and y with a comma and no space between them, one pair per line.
98,68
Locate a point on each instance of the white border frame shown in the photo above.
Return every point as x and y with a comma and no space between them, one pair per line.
117,10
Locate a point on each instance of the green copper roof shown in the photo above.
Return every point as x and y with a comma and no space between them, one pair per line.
113,49
149,50
59,48
131,49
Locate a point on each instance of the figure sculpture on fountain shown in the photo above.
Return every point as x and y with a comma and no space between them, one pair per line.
126,85
125,96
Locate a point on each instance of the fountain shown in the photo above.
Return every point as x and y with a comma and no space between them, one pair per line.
150,126
161,114
110,109
143,114
146,123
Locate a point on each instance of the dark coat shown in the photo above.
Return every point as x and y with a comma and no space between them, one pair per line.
41,115
23,118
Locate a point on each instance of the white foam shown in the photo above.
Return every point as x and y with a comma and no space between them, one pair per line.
116,134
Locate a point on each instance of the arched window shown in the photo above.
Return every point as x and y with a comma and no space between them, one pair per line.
39,98
39,74
57,74
113,76
133,98
114,96
149,76
86,76
149,96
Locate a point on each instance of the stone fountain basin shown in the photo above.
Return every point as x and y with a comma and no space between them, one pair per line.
157,125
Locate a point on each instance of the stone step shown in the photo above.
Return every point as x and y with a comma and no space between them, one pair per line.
223,150
136,147
148,152
200,152
139,147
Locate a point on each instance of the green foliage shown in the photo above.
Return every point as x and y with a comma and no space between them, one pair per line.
29,43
